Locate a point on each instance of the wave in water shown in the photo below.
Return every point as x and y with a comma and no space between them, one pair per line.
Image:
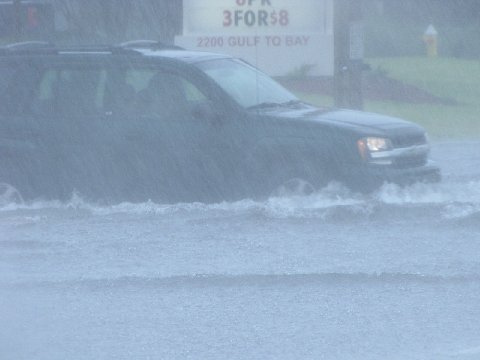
262,280
453,201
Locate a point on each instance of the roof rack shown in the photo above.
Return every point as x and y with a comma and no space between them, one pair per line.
91,49
148,44
27,45
125,47
44,47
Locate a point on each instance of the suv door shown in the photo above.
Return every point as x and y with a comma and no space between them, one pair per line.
25,164
167,141
69,104
52,122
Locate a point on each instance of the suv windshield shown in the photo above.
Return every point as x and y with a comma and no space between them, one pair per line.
247,85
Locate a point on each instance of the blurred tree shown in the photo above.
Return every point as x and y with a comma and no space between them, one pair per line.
115,15
120,20
449,11
395,28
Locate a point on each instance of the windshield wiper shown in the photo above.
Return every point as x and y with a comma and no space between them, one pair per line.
264,105
268,105
292,102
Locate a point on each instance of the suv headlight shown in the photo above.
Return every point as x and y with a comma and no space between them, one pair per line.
369,145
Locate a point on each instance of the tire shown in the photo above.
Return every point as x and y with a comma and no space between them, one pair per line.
273,175
10,195
294,187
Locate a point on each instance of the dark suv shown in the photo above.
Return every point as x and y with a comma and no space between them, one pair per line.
144,121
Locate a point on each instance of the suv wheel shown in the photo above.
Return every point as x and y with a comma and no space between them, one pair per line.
9,194
294,187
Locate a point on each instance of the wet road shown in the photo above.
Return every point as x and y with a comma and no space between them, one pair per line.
333,275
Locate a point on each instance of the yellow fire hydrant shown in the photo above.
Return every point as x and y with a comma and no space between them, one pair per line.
431,42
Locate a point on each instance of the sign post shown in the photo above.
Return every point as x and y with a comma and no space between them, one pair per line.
348,54
281,37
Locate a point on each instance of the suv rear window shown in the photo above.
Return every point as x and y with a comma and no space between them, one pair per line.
69,91
6,76
16,84
27,89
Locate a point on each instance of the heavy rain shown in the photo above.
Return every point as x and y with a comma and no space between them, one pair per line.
162,198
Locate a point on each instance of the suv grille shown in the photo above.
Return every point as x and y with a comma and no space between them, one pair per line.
410,161
408,140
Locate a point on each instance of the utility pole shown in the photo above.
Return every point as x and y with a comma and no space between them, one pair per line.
17,9
348,38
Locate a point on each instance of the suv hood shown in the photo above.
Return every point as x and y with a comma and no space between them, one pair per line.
358,121
366,119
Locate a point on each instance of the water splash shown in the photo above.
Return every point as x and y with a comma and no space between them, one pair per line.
450,200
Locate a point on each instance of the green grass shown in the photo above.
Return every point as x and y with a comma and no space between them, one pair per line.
441,121
453,79
450,78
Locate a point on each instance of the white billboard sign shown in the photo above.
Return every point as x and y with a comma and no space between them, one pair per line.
279,36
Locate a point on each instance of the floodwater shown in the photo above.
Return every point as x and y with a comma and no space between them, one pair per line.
332,275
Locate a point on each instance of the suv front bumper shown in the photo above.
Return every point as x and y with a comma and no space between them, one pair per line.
368,177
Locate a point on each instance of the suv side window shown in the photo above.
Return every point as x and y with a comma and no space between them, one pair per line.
7,74
73,90
70,92
28,89
163,94
17,81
